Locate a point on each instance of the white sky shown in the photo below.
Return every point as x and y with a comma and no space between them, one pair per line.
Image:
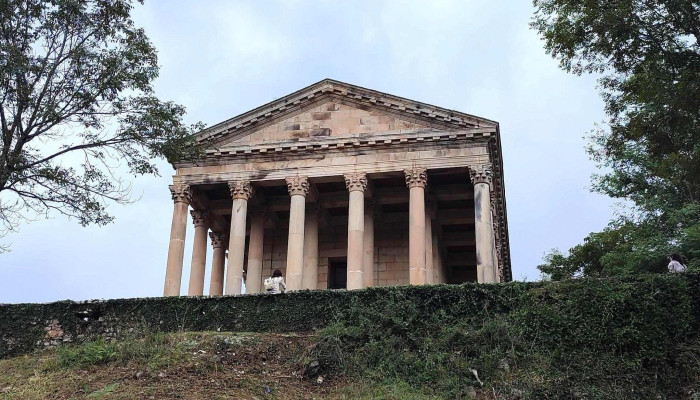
222,58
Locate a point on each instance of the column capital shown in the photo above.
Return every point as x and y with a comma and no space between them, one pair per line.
356,181
298,185
199,217
481,173
416,177
241,189
218,239
181,193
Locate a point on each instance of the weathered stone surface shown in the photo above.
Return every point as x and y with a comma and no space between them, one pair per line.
321,132
331,134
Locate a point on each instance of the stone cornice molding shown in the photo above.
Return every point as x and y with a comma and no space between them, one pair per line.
312,145
218,239
356,181
297,185
416,177
200,217
482,173
241,190
181,193
329,89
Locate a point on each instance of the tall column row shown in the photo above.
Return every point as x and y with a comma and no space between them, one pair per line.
302,248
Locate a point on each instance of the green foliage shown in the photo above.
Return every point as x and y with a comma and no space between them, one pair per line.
594,339
77,106
626,338
649,54
87,354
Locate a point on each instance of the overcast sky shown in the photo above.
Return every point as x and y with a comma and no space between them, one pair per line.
222,58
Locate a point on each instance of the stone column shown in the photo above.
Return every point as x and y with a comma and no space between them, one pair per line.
356,183
253,281
176,249
219,240
368,245
429,266
199,252
416,180
310,273
481,177
438,275
298,187
241,191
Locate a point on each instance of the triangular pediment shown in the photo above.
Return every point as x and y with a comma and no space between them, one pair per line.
331,108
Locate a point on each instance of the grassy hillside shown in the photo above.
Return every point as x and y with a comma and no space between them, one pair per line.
191,365
636,338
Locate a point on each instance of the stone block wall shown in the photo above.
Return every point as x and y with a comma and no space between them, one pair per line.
331,119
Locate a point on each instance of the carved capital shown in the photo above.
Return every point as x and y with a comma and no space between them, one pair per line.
416,177
356,181
218,239
181,193
298,185
482,173
241,190
199,217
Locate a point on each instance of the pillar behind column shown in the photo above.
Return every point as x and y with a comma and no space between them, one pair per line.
310,273
368,245
481,177
356,183
219,240
199,252
241,191
416,180
176,248
429,278
253,281
298,187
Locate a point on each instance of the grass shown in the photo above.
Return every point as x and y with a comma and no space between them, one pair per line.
194,365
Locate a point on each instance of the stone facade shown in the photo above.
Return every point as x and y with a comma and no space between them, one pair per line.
339,186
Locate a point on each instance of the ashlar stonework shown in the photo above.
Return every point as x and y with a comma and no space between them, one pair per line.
339,186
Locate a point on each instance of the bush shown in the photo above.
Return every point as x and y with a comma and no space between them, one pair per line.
589,338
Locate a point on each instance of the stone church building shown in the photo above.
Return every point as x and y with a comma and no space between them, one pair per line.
339,186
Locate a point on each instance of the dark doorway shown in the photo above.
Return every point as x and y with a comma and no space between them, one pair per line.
337,273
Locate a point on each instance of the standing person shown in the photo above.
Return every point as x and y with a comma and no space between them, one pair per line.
275,283
675,264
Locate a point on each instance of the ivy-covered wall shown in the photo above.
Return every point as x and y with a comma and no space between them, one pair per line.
559,306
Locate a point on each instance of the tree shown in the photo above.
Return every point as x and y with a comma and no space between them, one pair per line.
648,53
78,108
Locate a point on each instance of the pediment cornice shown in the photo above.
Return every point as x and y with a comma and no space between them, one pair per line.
331,89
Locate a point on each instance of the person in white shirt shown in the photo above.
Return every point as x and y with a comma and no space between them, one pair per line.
675,264
275,283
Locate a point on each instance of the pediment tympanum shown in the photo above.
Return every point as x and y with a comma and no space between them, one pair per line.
333,109
330,118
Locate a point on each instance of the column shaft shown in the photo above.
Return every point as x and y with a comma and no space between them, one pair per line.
253,281
356,233
176,247
310,274
218,263
416,180
241,192
298,187
429,266
485,241
199,253
438,276
368,262
356,183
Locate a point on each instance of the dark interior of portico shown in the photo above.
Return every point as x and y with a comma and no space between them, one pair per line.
449,202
